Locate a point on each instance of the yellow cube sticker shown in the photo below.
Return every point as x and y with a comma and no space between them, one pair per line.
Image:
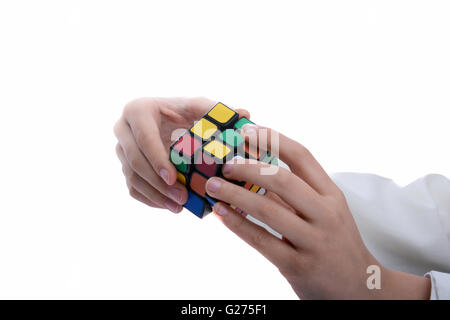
181,178
221,113
204,128
254,188
217,149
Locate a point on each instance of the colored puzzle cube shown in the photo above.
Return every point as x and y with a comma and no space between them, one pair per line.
202,150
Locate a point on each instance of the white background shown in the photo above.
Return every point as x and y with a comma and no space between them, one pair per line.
363,84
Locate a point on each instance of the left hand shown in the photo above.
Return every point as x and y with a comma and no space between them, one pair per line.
321,254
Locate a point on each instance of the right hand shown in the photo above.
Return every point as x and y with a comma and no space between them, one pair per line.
144,133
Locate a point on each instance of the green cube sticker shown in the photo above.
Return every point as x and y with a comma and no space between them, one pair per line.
274,161
241,122
267,158
178,161
232,137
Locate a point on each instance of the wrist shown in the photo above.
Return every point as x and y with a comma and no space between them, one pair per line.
397,285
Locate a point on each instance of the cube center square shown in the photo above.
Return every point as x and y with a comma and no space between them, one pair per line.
206,165
217,149
201,151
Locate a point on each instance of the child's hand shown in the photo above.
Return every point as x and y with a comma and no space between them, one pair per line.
144,135
322,254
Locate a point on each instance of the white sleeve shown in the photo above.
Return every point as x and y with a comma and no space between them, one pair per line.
440,285
405,228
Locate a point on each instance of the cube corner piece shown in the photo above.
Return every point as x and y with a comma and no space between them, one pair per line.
197,205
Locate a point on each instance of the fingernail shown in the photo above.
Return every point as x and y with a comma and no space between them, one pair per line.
175,195
249,129
164,175
172,206
213,185
220,209
226,169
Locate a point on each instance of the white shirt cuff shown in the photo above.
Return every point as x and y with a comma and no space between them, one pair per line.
440,285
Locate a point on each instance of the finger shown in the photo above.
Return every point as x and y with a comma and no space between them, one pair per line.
148,139
275,250
151,193
243,113
134,181
137,161
197,107
263,209
140,185
183,111
296,156
285,184
276,198
141,198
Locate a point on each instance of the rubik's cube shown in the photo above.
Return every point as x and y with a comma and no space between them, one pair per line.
201,151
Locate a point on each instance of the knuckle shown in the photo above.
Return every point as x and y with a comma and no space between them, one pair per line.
304,262
125,171
199,100
340,217
259,208
283,176
116,128
340,196
259,237
134,162
136,105
290,266
238,225
119,150
336,209
301,151
141,138
323,239
265,209
133,193
133,178
128,109
285,270
131,107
